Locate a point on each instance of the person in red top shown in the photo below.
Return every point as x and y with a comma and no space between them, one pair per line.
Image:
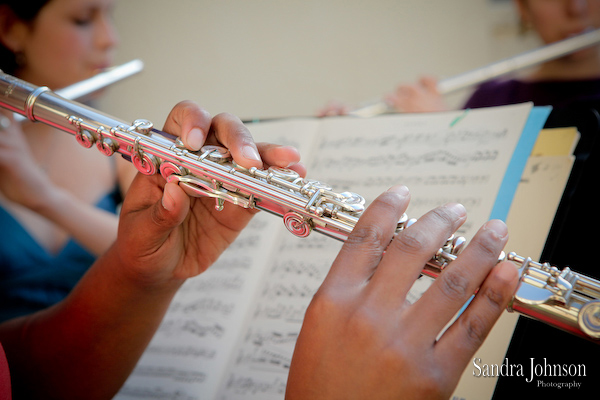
5,387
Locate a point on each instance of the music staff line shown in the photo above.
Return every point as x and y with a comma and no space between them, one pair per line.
435,158
398,140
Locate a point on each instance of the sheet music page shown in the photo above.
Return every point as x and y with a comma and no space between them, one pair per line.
244,314
189,353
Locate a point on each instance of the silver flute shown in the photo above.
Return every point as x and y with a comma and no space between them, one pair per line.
561,298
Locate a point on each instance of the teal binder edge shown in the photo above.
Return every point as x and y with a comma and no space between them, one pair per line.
534,124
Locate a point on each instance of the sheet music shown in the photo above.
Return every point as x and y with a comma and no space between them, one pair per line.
230,333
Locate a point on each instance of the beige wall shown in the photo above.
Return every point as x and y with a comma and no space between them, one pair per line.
269,58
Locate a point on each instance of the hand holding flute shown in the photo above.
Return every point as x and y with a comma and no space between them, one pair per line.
86,346
360,320
198,232
166,237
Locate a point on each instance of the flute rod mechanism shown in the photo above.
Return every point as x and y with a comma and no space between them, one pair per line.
524,60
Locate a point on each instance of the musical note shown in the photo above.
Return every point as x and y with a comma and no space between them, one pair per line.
178,375
214,283
399,140
177,327
439,158
182,351
437,180
203,329
264,359
289,313
297,268
205,305
267,338
245,242
158,393
251,385
291,290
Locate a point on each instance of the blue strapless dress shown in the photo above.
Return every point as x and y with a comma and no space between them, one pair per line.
31,278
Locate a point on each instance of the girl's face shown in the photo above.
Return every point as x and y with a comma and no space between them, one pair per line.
70,40
556,20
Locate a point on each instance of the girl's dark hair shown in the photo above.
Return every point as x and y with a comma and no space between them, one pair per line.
27,11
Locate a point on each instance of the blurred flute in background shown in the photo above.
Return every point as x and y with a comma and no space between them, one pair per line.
494,70
101,80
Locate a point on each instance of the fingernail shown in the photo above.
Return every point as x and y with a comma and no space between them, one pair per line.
400,189
250,153
195,139
506,273
497,227
167,200
458,208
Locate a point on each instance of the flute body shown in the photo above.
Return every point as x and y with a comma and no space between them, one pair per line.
561,298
